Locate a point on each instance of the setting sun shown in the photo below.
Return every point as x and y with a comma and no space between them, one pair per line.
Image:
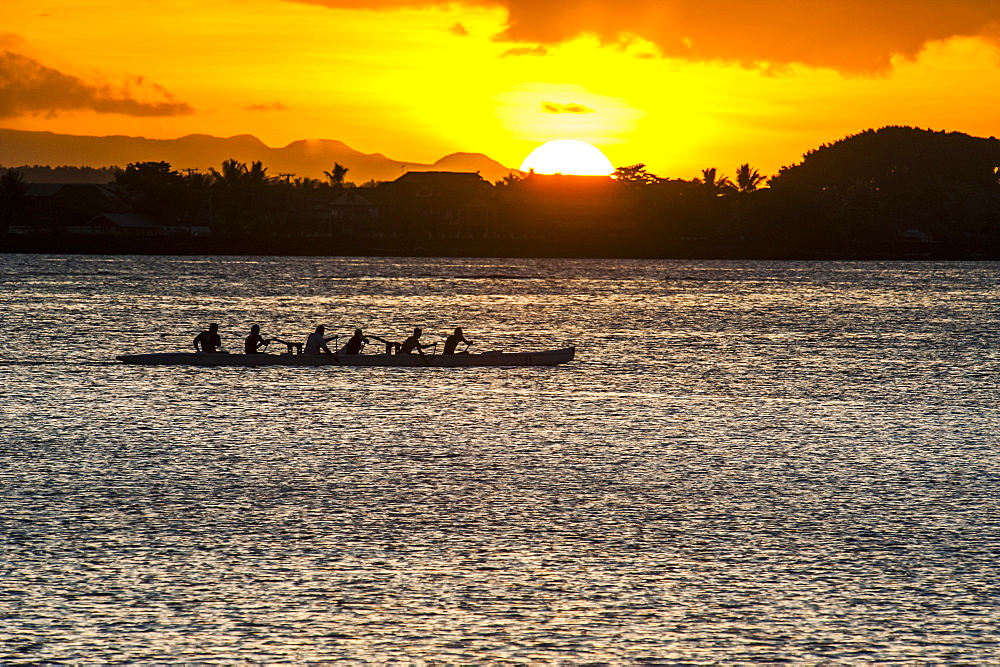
652,82
570,157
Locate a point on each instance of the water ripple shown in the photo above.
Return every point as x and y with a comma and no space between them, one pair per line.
749,462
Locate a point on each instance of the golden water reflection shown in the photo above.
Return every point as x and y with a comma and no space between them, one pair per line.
748,462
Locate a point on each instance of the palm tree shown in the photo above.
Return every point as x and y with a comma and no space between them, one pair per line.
196,180
256,176
199,188
337,175
747,179
229,209
231,175
713,182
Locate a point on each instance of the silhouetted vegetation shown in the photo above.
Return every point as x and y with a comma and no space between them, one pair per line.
13,195
892,192
336,177
881,184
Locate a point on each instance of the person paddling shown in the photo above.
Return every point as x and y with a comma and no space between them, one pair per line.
208,341
253,342
356,343
316,343
452,341
413,343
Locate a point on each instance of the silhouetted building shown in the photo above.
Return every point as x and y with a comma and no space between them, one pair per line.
355,215
439,205
67,204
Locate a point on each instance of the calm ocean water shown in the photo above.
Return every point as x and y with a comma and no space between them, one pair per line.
747,462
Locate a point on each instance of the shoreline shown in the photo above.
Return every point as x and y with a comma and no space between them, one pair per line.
596,249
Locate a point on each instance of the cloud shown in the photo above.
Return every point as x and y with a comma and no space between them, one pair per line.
525,51
460,30
854,36
273,106
848,35
28,86
555,107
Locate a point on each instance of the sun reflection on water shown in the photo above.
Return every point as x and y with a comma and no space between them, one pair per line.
748,462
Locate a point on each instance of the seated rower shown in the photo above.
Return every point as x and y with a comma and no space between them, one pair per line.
355,344
316,343
253,343
452,341
413,343
208,341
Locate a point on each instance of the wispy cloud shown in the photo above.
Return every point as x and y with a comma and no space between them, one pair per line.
29,87
273,106
525,51
556,107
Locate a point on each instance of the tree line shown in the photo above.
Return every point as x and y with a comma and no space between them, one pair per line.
937,192
900,189
236,199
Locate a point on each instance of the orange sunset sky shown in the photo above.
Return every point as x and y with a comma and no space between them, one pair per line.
674,84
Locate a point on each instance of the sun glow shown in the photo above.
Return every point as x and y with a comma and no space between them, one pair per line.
420,80
570,157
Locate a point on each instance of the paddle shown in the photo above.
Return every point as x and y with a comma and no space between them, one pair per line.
427,361
389,345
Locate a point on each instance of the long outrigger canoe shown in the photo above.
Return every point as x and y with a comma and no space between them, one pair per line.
543,358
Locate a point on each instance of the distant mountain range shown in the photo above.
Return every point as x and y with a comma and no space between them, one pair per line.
306,158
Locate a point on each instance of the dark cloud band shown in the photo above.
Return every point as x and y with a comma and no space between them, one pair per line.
847,35
28,86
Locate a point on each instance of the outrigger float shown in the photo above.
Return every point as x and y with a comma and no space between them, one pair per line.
542,358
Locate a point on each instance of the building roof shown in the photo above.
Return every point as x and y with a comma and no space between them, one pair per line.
439,182
351,197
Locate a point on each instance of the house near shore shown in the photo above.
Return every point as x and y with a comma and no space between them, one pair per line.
438,205
356,215
66,204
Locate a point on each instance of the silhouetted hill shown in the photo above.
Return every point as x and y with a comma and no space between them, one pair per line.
895,156
470,162
887,184
306,158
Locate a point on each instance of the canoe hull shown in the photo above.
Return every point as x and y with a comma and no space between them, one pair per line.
543,358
